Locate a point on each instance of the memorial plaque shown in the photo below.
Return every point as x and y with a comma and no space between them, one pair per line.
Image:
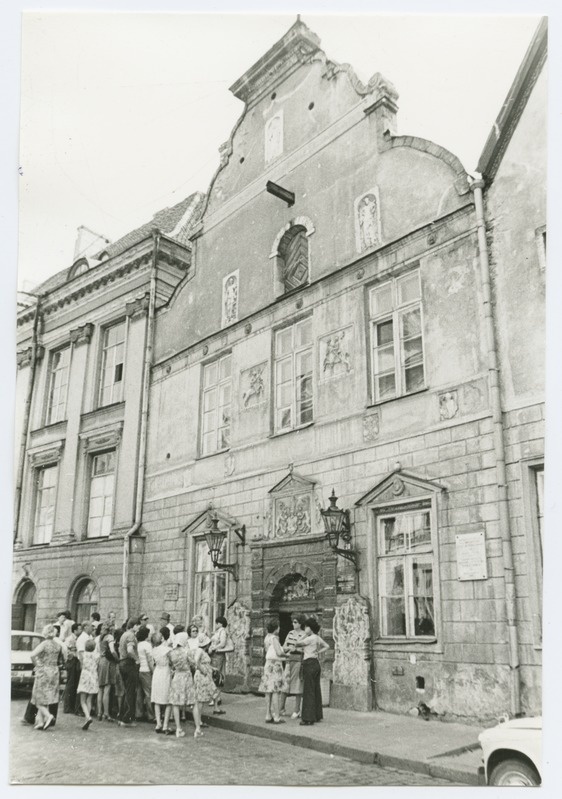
171,591
471,556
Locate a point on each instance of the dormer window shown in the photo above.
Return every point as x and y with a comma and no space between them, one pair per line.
293,255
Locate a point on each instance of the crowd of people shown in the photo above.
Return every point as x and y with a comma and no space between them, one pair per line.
136,672
130,673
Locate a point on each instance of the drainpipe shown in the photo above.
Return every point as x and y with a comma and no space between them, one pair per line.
26,417
148,349
499,449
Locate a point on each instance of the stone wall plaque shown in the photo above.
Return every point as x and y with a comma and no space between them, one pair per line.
253,386
471,556
171,592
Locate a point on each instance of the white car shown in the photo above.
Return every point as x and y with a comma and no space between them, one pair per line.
23,644
512,752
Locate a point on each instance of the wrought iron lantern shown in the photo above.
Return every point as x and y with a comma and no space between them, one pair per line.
215,538
337,527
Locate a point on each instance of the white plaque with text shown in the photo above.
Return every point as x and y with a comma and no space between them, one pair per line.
471,556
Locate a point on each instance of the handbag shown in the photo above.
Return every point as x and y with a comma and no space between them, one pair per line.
229,646
218,678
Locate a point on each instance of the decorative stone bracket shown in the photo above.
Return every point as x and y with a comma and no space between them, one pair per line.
82,334
108,437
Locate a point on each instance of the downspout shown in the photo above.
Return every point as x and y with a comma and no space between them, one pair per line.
26,417
148,349
499,450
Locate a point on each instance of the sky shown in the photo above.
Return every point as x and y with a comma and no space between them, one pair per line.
123,114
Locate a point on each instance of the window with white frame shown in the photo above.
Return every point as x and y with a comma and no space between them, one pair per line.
112,364
102,487
293,376
217,388
209,600
45,501
58,385
405,573
396,337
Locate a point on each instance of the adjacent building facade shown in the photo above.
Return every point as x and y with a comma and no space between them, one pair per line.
342,322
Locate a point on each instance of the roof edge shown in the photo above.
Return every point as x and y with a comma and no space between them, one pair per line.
514,104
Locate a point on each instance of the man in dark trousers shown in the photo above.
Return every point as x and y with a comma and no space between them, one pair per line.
129,668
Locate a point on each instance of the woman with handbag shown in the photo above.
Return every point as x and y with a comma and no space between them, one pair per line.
273,681
182,691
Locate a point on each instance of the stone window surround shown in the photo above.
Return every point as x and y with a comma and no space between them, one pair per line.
529,469
102,329
392,278
274,255
39,459
393,644
95,442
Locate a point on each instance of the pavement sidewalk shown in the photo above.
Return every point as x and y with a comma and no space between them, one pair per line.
441,749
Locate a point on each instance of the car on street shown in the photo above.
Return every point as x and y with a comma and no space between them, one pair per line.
23,644
512,753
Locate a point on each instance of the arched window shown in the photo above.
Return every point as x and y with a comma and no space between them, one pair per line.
293,255
24,609
85,600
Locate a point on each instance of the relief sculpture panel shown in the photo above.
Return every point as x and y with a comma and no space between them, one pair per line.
351,641
238,618
292,516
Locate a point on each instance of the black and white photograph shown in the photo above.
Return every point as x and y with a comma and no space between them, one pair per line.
277,452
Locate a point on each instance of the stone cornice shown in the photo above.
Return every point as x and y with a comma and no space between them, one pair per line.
46,456
81,334
23,357
106,438
296,47
170,252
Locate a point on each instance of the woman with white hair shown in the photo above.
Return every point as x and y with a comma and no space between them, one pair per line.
182,692
46,691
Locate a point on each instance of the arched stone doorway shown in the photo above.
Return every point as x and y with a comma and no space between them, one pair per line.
293,595
24,609
84,599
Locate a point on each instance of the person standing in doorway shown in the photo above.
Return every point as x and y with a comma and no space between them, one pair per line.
312,646
293,667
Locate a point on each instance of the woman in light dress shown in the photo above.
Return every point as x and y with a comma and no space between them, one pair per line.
273,681
312,645
205,688
45,658
89,684
161,678
294,667
182,692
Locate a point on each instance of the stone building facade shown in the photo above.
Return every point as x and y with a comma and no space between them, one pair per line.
81,395
348,304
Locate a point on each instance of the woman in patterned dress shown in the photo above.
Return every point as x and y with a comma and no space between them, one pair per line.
160,691
293,667
273,681
205,688
45,658
89,684
182,692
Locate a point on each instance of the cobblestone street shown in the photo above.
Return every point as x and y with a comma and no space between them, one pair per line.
219,757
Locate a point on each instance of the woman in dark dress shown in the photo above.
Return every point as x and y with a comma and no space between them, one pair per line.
312,645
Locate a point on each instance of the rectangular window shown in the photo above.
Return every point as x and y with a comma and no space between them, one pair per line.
112,364
58,385
396,337
215,422
405,574
210,586
293,376
45,500
102,487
